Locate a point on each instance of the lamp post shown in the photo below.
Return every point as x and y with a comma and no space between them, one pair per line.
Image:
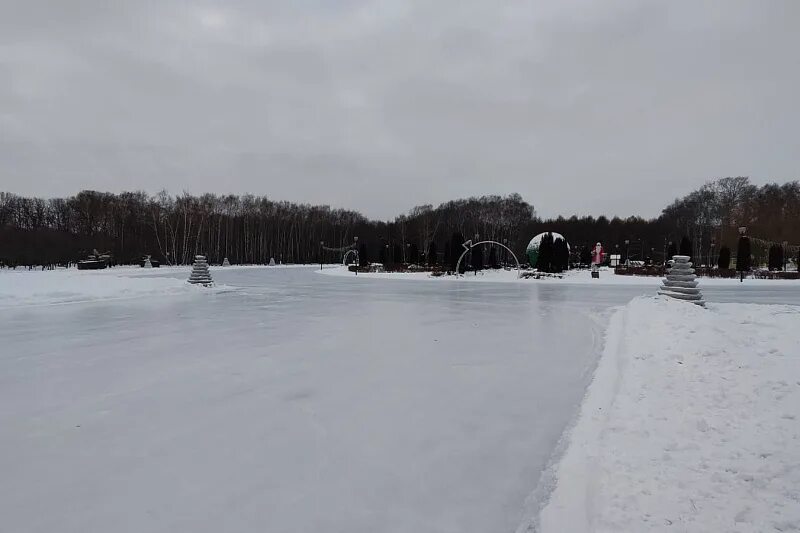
321,244
627,252
785,251
711,254
355,247
477,239
742,231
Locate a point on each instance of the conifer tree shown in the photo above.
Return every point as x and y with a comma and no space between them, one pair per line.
724,259
493,258
545,257
586,256
560,258
672,251
363,260
456,249
432,257
477,257
413,254
686,247
743,254
397,254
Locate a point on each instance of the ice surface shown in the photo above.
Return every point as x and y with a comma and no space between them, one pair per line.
298,402
690,424
290,401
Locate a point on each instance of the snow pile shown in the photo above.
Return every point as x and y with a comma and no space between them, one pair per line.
692,423
67,286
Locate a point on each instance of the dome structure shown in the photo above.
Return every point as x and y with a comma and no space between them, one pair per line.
532,251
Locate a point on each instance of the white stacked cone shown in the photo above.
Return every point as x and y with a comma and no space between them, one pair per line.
681,282
147,263
272,261
226,263
200,273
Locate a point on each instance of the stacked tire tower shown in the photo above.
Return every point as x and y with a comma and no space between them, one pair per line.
200,274
681,282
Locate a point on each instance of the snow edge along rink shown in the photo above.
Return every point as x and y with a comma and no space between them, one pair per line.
689,422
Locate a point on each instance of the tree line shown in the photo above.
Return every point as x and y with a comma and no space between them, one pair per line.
254,229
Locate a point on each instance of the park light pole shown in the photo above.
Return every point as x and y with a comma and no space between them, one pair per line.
785,252
711,253
627,252
742,232
321,244
358,259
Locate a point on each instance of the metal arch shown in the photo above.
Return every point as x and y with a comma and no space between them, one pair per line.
347,254
469,245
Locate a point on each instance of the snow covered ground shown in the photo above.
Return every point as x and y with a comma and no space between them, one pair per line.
61,286
572,277
690,424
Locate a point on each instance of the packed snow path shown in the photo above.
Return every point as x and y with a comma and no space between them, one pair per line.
294,402
690,424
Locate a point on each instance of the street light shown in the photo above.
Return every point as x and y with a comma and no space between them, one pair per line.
711,254
355,247
321,244
627,252
785,251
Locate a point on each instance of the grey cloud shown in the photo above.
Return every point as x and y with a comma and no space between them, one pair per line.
582,107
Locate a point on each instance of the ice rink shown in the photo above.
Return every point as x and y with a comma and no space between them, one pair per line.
290,401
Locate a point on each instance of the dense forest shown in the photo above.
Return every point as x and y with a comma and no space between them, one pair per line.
251,229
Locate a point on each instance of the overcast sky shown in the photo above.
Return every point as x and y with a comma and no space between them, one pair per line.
612,107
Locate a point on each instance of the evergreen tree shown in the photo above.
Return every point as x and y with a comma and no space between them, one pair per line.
397,253
586,256
672,250
686,247
456,249
493,258
413,254
775,257
432,256
743,254
560,257
477,257
447,254
382,255
363,260
545,258
724,260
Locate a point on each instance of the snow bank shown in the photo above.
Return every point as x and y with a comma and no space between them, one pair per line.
71,285
690,424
